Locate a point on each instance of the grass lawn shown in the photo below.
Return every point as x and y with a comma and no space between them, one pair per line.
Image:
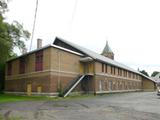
10,118
15,98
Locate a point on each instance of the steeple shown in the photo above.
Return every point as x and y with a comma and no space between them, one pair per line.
107,52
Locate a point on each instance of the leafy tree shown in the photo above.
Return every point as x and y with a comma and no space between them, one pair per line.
144,72
11,36
154,73
3,6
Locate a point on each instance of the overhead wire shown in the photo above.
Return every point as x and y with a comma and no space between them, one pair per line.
34,24
35,16
73,13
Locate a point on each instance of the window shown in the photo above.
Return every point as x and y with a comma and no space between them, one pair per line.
100,85
126,73
9,68
129,74
110,85
133,75
102,67
39,61
118,72
113,70
123,73
22,66
39,89
106,68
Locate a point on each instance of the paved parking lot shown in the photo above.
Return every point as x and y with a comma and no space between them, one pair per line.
125,106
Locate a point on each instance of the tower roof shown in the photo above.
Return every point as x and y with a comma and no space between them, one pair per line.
107,49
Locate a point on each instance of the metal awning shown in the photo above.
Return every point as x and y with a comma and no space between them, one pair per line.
86,59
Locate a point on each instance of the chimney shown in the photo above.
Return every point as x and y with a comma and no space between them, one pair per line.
39,43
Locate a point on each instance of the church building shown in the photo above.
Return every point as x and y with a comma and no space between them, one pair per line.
64,68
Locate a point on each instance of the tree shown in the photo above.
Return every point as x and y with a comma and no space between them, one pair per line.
11,36
144,72
3,6
154,73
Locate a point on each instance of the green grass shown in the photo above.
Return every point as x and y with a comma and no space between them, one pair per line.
10,118
17,98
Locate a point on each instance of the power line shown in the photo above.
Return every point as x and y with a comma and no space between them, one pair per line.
34,23
73,13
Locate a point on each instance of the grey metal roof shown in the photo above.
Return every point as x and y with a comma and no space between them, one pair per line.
101,58
30,52
44,47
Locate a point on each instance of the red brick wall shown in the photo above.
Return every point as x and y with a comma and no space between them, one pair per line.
117,83
20,85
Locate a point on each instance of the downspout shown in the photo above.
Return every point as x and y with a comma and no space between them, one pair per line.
59,65
142,83
50,70
94,76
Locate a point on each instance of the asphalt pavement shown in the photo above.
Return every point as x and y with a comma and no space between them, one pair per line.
119,106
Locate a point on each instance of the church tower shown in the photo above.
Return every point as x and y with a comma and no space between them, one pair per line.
107,52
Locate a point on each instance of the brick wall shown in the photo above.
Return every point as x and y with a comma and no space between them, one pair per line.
57,65
148,85
20,85
115,83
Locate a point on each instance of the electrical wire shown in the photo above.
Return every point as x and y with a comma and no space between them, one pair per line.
73,13
34,24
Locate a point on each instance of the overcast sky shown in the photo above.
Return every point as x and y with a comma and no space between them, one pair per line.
132,27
